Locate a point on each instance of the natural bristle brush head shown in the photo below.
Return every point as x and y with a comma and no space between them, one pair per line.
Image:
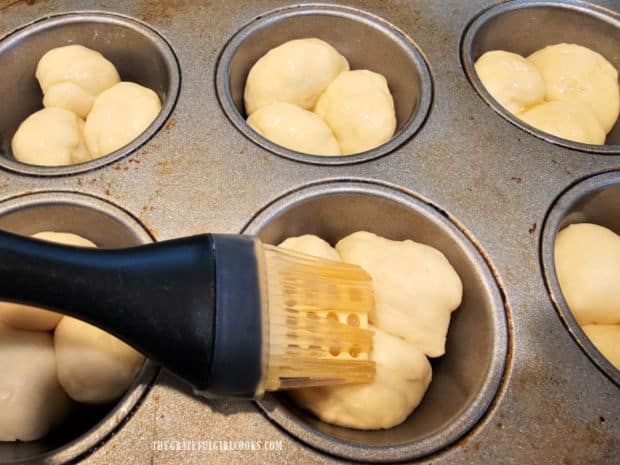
317,329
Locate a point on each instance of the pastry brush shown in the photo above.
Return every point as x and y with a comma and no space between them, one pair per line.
227,313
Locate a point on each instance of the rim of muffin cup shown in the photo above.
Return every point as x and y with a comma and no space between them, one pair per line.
471,38
361,202
112,42
409,120
580,203
96,220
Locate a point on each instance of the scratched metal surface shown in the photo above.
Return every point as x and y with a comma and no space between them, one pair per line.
201,174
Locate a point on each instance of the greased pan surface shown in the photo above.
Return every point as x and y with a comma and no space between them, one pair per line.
487,180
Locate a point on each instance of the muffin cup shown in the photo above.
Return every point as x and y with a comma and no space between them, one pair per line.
465,379
108,226
525,26
368,42
594,200
139,53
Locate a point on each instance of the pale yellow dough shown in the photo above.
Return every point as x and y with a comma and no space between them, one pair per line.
511,80
359,108
402,377
72,76
50,137
94,367
296,72
119,115
31,318
587,261
416,287
606,338
577,74
568,120
31,399
295,128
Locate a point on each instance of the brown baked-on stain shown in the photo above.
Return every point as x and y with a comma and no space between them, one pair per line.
170,124
157,11
532,229
517,179
4,4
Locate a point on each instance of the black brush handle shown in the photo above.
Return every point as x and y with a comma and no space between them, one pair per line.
192,304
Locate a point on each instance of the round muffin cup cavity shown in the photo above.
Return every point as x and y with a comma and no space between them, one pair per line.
465,379
139,53
523,27
384,49
108,226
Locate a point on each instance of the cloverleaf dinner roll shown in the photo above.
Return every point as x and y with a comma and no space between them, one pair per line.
606,338
568,120
587,261
72,76
295,128
94,367
119,115
50,137
577,74
359,109
31,399
416,288
31,318
402,376
512,80
296,72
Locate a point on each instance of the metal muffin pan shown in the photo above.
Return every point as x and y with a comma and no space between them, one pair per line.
594,200
368,42
464,169
139,53
465,379
525,26
109,227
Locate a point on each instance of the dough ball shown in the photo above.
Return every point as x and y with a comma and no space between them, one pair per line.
31,400
587,262
69,96
119,115
297,72
73,75
512,80
402,377
50,137
606,338
359,108
577,74
31,318
416,288
294,128
311,245
93,366
568,120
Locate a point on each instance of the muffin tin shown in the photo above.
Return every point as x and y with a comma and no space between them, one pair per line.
519,383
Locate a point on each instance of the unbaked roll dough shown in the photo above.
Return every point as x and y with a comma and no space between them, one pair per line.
119,115
587,261
297,72
566,119
94,367
50,137
359,108
511,80
72,76
416,288
31,399
31,318
577,74
402,377
402,373
606,338
294,128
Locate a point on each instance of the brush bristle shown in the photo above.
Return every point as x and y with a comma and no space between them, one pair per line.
318,319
